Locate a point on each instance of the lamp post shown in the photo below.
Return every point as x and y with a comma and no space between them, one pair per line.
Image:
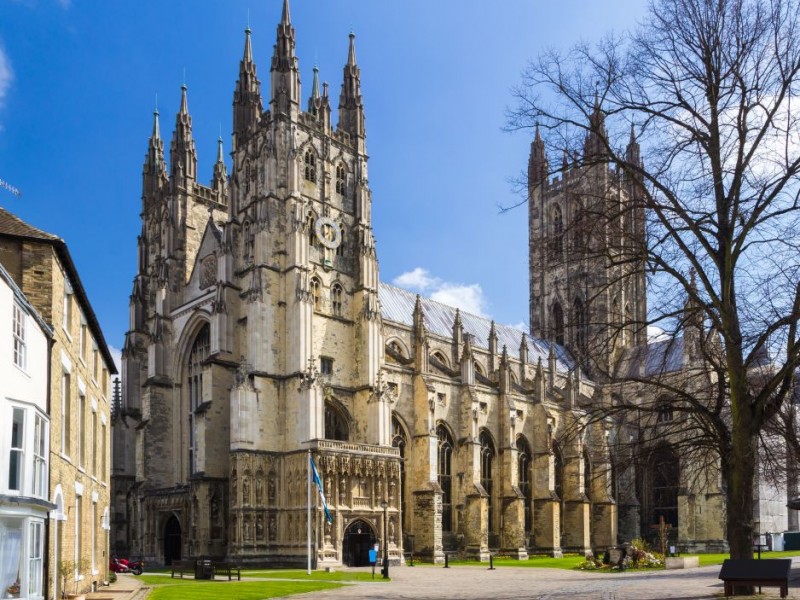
385,570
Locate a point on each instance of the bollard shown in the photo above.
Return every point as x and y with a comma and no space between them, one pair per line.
491,562
412,560
446,563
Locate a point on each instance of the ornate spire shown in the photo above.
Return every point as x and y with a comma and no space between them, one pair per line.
247,94
154,171
538,166
314,100
182,153
154,159
351,107
596,143
220,181
285,74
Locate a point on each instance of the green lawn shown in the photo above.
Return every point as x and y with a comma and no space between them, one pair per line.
716,559
180,589
315,575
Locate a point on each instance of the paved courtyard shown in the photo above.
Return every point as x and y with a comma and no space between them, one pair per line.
508,583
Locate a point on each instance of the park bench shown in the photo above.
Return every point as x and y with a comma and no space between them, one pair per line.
772,572
225,568
182,566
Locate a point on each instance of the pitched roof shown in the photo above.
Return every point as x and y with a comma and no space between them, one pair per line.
653,358
397,305
13,227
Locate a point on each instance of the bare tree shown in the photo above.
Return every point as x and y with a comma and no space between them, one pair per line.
709,89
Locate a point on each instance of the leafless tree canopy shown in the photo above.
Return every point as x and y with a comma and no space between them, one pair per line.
709,89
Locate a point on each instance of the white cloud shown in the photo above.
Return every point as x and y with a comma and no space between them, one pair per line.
521,326
116,354
656,334
418,279
468,297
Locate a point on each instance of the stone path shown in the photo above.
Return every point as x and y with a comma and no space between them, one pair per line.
510,583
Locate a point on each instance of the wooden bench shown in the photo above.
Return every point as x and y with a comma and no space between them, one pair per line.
224,568
182,566
769,572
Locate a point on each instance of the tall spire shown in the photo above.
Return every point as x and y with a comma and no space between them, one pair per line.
154,170
182,153
596,143
351,107
538,166
247,94
220,181
285,75
314,99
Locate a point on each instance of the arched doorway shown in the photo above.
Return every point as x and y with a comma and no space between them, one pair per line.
359,537
172,540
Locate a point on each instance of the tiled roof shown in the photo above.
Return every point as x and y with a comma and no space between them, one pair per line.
12,226
657,358
397,305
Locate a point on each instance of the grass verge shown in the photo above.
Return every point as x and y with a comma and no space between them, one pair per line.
315,575
230,590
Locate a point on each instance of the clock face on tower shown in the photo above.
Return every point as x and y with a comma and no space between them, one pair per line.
328,232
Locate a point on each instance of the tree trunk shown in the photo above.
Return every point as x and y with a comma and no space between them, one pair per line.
739,471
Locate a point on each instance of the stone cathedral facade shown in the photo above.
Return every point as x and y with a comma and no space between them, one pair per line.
260,331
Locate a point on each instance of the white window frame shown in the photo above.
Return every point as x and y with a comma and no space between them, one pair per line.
66,315
35,557
66,402
20,344
19,450
41,438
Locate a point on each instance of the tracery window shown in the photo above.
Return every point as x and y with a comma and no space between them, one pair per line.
248,242
581,326
340,180
587,475
336,299
316,293
197,356
558,324
558,483
558,229
335,424
445,477
310,160
400,441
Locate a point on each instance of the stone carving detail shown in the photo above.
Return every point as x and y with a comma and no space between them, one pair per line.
208,271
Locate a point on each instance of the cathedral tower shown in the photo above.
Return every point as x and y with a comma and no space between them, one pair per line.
586,292
255,330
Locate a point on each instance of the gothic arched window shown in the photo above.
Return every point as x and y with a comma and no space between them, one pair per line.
664,474
248,242
197,356
336,299
310,160
340,180
581,326
524,474
487,464
558,324
340,247
316,293
445,477
587,475
335,424
558,228
400,441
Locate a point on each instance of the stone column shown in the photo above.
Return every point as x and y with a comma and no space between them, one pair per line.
476,524
512,533
546,509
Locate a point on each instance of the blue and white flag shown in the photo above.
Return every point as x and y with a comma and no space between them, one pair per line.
315,477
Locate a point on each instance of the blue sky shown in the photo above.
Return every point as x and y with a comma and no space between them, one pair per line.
79,79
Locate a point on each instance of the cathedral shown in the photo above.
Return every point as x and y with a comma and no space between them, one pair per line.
260,332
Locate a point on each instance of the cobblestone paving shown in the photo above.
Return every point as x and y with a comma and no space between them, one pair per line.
508,583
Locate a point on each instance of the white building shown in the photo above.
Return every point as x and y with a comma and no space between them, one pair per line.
24,443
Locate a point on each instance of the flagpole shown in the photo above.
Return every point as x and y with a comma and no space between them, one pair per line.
308,509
